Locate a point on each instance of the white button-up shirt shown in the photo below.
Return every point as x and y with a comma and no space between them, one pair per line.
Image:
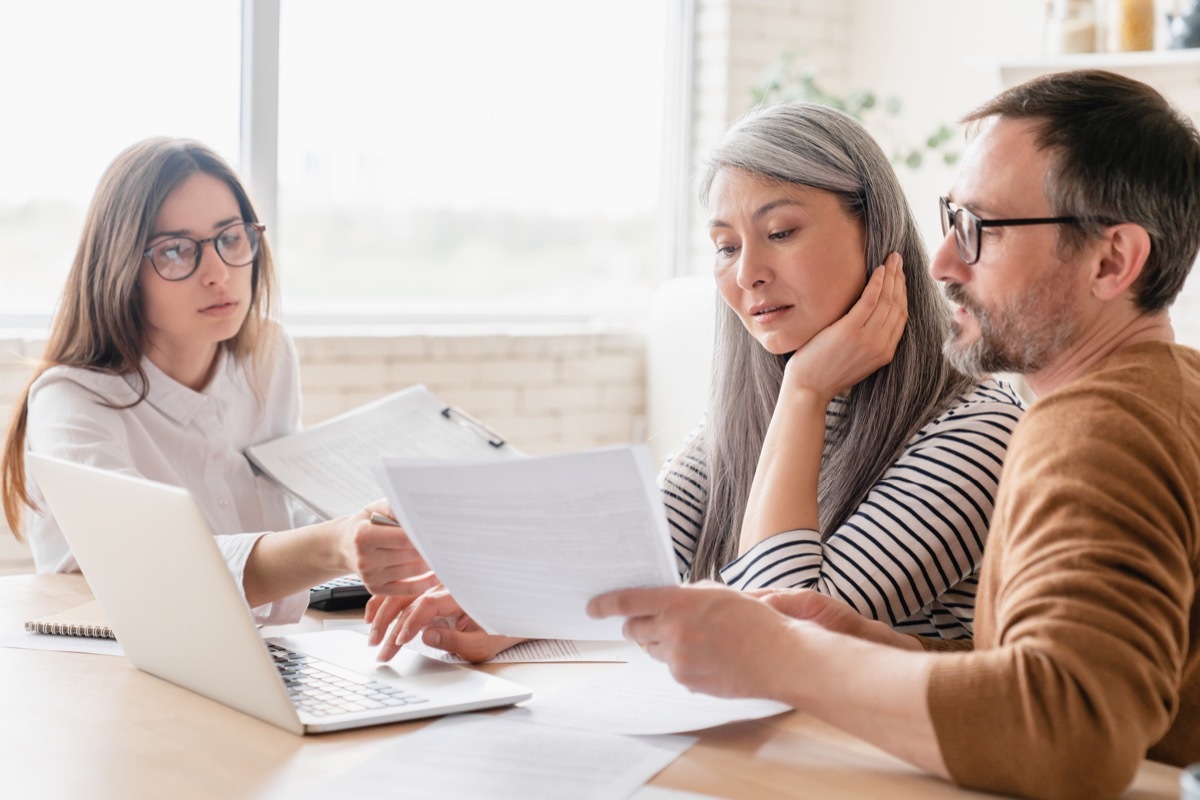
177,436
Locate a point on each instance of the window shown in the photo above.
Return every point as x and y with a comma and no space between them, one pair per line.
82,81
472,157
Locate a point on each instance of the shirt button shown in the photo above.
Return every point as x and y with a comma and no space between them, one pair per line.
223,503
218,456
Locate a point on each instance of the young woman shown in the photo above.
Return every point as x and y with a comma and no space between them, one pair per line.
163,361
841,451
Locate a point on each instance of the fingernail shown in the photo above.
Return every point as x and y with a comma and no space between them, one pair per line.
433,638
374,637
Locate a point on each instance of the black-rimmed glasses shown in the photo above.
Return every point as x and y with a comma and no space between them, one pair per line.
967,227
177,258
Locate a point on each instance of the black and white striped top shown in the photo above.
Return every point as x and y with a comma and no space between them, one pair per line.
909,555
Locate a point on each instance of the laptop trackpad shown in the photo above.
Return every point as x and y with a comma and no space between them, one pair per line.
349,649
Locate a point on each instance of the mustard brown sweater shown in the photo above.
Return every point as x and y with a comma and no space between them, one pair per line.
1087,627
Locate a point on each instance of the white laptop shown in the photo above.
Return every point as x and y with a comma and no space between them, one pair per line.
152,563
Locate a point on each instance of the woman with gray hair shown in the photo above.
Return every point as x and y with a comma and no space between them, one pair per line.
841,451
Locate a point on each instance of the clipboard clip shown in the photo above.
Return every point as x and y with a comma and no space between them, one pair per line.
467,421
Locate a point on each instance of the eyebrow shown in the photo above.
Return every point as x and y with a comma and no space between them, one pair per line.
185,232
771,206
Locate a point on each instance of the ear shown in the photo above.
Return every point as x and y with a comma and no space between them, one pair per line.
1123,253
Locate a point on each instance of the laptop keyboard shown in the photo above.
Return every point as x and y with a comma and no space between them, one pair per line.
323,689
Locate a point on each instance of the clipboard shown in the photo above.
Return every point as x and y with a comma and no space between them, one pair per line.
329,467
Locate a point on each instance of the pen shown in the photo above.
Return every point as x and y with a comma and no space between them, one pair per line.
380,519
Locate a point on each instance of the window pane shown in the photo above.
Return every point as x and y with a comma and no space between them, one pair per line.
471,156
82,81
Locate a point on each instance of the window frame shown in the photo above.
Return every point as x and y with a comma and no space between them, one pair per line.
259,160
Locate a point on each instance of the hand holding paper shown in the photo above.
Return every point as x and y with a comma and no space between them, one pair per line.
524,544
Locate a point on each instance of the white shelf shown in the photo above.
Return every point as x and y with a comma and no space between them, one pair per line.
1175,73
1154,59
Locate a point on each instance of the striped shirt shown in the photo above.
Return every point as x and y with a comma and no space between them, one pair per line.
909,555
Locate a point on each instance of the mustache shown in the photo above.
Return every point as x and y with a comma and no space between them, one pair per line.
956,294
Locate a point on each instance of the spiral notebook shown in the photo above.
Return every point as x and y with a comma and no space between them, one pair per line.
85,620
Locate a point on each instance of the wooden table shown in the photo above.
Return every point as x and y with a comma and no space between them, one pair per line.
90,726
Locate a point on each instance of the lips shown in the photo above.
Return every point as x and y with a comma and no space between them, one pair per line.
224,305
767,308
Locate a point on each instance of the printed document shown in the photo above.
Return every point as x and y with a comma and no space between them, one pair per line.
532,651
524,544
639,698
328,467
477,755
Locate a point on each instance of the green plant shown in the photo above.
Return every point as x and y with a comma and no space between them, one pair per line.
791,79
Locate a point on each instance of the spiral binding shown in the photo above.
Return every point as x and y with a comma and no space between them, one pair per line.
70,629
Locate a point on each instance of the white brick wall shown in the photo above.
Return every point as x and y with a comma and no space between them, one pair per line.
557,390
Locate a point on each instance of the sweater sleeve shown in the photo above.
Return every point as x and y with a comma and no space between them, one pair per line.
1089,583
918,536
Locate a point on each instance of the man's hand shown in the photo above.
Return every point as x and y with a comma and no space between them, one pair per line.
715,639
833,615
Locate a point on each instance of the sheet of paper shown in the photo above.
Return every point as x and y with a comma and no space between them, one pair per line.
639,698
476,755
65,644
524,544
533,651
329,467
658,793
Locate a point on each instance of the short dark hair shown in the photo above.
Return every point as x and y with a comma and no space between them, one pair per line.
1122,154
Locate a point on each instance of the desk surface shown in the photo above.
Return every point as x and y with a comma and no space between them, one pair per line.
76,726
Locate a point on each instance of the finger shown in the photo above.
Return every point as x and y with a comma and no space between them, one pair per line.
887,320
373,604
375,536
387,611
474,646
425,610
631,602
400,579
643,630
898,317
394,639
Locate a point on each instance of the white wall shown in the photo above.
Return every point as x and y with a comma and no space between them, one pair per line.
941,59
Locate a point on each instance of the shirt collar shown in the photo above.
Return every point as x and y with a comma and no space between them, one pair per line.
182,403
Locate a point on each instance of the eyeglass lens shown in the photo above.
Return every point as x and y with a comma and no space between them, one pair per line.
176,259
966,230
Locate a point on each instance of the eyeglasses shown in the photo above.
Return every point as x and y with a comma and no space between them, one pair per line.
967,227
177,258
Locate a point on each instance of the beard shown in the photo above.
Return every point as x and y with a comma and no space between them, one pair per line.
1022,336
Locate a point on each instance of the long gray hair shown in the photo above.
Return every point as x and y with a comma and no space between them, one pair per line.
819,147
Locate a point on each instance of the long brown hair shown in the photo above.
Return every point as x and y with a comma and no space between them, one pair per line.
99,324
812,145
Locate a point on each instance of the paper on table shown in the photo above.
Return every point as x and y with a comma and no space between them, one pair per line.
524,544
659,793
639,698
328,467
544,651
477,755
64,644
